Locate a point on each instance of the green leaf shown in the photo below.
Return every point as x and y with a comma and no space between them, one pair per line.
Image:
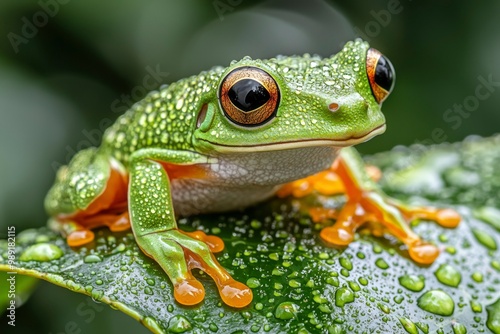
299,284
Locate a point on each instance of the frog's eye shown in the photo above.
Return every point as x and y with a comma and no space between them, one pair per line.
380,74
249,96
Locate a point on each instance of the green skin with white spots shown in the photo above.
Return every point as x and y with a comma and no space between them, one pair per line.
242,165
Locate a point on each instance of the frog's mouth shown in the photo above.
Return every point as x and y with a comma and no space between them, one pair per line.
299,143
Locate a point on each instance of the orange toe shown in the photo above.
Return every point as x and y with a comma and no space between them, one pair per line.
235,294
337,236
448,218
189,292
215,243
121,224
79,238
423,253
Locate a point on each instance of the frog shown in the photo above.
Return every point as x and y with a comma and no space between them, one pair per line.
230,138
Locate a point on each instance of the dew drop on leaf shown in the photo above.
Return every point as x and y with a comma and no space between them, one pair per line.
437,302
41,252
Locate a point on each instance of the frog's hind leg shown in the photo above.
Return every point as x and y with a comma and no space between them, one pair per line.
88,193
366,203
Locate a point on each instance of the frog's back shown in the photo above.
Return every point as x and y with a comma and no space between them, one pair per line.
164,118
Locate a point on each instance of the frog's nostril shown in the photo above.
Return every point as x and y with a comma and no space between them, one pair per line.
333,106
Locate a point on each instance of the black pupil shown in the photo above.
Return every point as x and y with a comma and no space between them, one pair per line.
384,76
248,95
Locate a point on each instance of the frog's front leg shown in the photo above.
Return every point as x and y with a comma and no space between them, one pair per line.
367,203
156,232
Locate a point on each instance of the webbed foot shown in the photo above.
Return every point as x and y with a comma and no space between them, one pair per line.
366,203
179,252
392,217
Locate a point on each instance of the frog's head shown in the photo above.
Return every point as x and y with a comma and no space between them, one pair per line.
292,102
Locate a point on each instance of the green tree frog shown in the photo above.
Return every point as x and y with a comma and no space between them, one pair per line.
229,138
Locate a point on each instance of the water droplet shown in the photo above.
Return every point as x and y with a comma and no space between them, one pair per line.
294,284
333,281
495,265
289,247
72,285
343,296
179,324
320,299
408,325
477,276
459,329
253,282
41,252
381,263
493,320
120,248
448,275
336,329
398,299
437,302
148,291
363,281
213,327
485,238
246,315
423,327
277,272
92,258
360,255
150,281
99,282
286,310
255,224
27,236
346,263
412,282
274,256
384,308
490,215
344,272
323,256
325,308
97,295
476,307
354,286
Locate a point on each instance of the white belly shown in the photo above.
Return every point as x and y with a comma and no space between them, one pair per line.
243,179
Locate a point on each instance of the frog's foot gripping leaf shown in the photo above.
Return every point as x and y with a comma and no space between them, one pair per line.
79,232
177,252
367,204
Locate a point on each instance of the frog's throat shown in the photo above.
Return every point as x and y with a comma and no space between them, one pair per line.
298,143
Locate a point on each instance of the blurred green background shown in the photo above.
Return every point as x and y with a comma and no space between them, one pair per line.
68,68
